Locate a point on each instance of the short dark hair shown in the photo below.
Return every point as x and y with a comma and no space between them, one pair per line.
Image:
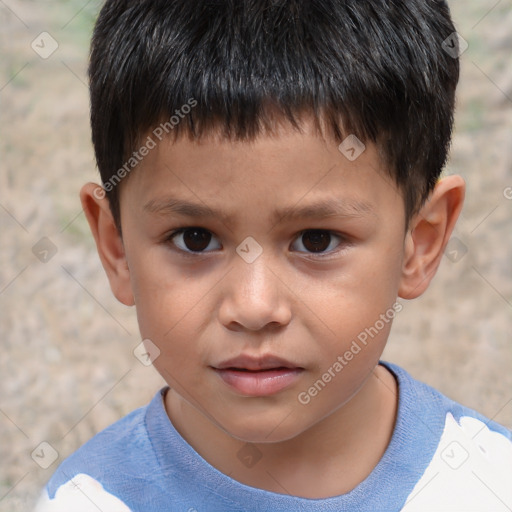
374,68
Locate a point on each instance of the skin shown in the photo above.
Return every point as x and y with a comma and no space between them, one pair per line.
201,309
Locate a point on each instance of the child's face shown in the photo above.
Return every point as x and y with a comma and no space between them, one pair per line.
305,308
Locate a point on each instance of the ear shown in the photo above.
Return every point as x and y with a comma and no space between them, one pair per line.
108,241
428,234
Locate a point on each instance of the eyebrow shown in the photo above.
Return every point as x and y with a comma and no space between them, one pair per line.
330,207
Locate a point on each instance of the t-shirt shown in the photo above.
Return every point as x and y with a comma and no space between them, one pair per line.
442,457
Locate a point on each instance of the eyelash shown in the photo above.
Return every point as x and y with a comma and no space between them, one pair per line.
343,241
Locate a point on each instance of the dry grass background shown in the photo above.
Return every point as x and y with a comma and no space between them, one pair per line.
66,364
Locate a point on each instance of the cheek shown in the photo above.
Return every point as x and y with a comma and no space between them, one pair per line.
176,329
378,279
351,315
354,297
164,294
168,315
173,311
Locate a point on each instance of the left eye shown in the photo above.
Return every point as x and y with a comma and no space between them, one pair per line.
316,241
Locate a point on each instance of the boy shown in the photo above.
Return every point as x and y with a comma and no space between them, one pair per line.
270,188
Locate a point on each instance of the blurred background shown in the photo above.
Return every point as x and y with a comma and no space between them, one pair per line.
67,368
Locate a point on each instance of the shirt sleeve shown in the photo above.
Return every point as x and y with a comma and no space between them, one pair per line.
82,493
471,471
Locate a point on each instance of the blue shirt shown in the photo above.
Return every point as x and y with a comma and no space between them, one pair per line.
442,457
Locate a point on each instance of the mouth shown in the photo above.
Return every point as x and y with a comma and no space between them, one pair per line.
261,376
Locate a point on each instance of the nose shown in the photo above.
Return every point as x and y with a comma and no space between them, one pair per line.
254,297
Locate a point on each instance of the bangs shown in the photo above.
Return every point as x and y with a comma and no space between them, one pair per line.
240,68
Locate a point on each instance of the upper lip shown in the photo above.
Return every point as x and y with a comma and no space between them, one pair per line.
247,362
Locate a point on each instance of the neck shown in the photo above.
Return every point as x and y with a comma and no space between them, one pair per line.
330,458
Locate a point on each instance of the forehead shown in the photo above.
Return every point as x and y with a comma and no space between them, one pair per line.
288,174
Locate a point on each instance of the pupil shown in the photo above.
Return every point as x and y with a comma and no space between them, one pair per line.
196,239
316,241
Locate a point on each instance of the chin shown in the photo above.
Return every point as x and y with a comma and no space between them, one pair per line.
262,430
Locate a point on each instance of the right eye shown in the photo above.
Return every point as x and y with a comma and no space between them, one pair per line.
192,240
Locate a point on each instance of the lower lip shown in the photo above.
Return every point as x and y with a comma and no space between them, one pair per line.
262,383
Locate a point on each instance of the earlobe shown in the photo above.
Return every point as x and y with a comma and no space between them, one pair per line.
108,241
428,234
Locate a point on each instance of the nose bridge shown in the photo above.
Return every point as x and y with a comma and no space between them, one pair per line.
254,296
255,282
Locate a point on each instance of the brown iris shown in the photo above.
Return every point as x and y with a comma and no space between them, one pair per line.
196,239
315,240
